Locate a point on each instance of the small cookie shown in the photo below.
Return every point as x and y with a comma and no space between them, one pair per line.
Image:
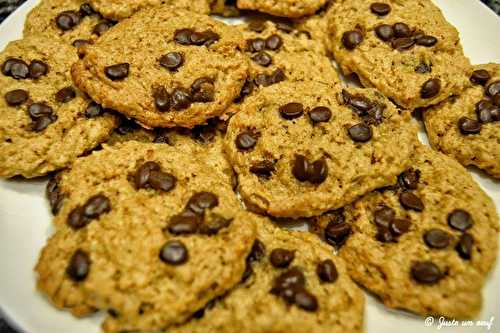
148,232
424,245
293,283
45,123
286,8
121,9
467,127
165,68
304,148
405,49
73,21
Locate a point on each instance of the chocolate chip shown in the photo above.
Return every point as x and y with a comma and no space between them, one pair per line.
174,252
180,99
305,300
274,42
293,277
426,40
263,59
480,76
399,227
460,220
246,90
38,69
493,88
360,132
67,20
41,123
39,110
207,38
486,112
93,110
327,271
76,218
256,45
16,97
143,173
496,99
300,169
54,195
409,179
245,141
423,68
410,201
183,36
78,43
161,98
320,114
291,110
183,224
202,90
464,246
384,216
318,171
469,126
401,30
360,104
117,72
384,235
263,168
96,206
161,181
213,225
65,95
380,9
101,27
426,272
86,9
201,201
258,251
385,32
79,266
403,43
351,39
281,258
172,60
430,88
15,68
437,238
337,233
257,26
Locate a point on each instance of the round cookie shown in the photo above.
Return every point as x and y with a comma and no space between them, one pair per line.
304,148
44,125
286,8
121,9
425,244
165,68
148,232
405,49
73,21
328,301
467,127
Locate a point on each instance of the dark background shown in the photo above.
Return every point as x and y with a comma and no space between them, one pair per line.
8,6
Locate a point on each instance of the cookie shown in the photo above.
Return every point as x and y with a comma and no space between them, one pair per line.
304,148
467,127
165,68
44,123
293,283
286,8
121,9
148,232
405,49
73,21
425,244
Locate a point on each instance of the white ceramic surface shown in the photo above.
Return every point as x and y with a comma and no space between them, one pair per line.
25,222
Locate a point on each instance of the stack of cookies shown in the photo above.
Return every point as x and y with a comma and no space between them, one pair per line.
178,145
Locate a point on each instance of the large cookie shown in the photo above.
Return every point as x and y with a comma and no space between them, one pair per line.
149,232
121,9
405,49
424,245
467,127
44,123
286,8
293,283
165,68
301,149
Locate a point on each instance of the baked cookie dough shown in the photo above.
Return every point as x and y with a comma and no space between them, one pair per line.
467,127
405,49
286,8
304,148
293,283
165,68
149,232
73,21
44,122
425,244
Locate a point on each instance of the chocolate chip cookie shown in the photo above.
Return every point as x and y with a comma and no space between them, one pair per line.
304,148
44,123
405,49
292,283
165,68
73,21
467,127
286,8
149,232
424,244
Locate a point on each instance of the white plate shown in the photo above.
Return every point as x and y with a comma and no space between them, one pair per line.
25,222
